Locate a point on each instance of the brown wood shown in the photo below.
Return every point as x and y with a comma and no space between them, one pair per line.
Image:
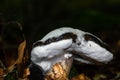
60,71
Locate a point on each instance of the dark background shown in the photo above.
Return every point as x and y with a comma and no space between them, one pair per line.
38,17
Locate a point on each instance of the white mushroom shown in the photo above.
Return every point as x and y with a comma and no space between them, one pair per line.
82,46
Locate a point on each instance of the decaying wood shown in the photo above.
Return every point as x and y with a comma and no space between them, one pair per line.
60,71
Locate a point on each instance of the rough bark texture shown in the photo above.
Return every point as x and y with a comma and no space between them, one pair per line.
60,70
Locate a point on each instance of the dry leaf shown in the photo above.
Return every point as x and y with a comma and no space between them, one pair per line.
81,77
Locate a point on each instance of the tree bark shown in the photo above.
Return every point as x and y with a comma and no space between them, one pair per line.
60,71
